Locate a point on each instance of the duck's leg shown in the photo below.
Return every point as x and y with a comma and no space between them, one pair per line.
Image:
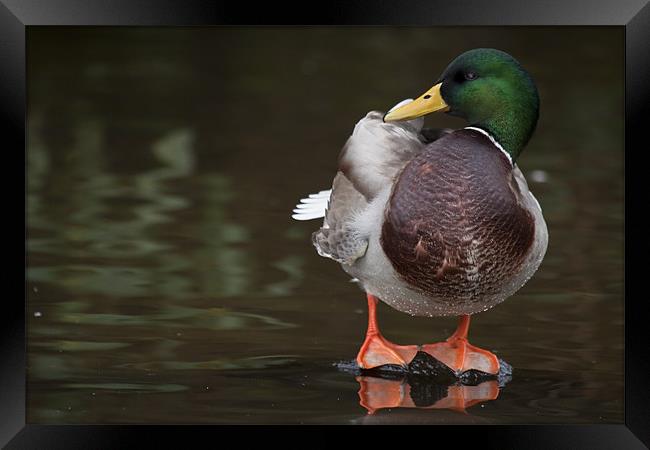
457,353
377,350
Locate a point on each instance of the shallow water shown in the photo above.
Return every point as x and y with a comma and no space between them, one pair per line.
167,283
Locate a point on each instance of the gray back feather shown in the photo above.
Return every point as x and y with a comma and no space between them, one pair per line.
370,161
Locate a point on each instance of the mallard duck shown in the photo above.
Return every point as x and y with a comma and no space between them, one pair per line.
438,223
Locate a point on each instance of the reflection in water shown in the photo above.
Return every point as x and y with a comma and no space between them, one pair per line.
166,281
379,393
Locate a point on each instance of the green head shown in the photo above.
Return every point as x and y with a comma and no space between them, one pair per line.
491,90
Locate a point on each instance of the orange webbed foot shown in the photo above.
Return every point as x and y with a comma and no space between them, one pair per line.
456,352
459,355
377,351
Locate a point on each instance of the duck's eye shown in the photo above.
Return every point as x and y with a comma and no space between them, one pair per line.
471,76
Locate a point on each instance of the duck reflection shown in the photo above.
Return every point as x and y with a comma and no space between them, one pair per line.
413,392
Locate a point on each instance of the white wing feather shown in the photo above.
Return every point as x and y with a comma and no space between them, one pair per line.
312,207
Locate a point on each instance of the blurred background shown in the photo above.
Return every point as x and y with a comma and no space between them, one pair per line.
167,282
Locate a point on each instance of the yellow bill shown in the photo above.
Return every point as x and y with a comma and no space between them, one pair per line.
430,101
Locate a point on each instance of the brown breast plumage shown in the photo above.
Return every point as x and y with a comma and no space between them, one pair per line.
454,227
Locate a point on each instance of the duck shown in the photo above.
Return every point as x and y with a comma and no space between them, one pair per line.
437,222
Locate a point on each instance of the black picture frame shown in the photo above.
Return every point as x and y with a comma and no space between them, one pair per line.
633,15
